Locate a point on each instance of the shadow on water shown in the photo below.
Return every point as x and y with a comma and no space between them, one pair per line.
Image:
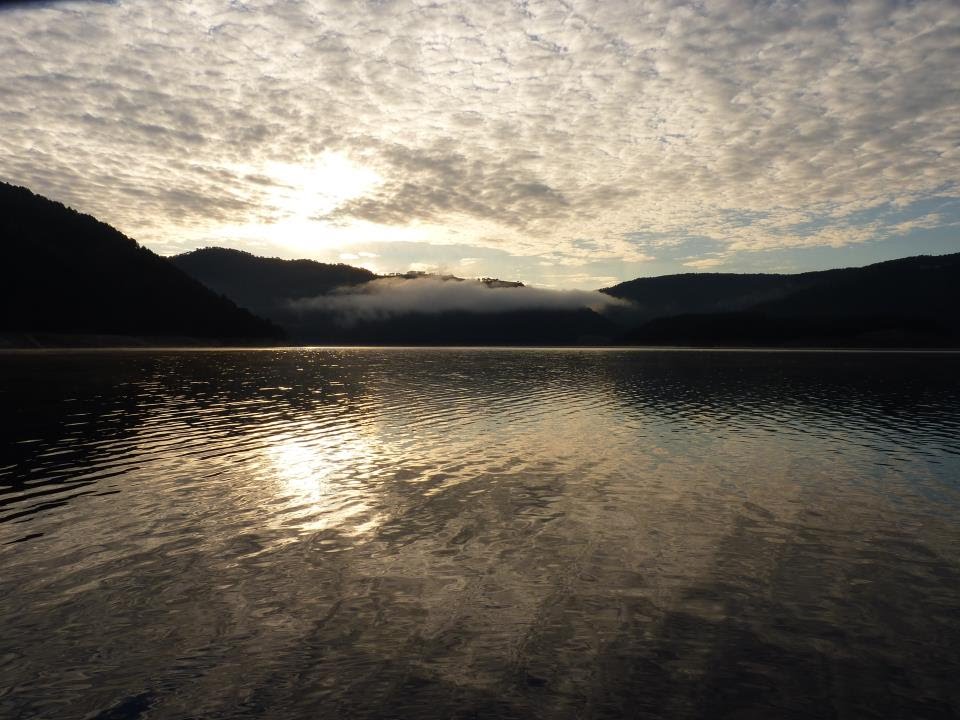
128,709
503,534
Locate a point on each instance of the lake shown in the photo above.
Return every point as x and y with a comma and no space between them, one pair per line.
391,533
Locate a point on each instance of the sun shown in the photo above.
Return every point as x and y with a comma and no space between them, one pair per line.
311,190
291,206
294,200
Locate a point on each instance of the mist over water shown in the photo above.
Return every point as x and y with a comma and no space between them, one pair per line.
479,533
391,296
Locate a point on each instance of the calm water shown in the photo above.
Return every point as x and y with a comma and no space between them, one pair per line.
476,533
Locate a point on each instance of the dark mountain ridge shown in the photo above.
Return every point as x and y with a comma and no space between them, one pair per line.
460,328
271,286
669,295
909,302
67,273
266,284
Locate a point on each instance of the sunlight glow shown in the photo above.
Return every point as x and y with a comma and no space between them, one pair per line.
325,477
311,191
293,202
296,199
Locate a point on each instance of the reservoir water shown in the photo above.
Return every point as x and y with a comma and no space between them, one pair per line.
373,533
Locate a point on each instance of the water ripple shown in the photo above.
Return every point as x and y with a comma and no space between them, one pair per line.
458,533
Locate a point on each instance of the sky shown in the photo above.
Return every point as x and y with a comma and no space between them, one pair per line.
568,144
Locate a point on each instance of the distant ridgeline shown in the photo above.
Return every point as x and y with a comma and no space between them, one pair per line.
65,273
901,303
911,302
268,285
273,288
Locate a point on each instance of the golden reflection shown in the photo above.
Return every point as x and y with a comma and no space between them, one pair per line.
324,481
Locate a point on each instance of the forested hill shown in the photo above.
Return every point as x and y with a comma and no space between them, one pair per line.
907,302
670,295
67,273
271,287
266,285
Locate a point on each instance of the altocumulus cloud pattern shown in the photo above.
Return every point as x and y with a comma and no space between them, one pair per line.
565,130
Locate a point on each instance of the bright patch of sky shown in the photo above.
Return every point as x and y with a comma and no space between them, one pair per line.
567,144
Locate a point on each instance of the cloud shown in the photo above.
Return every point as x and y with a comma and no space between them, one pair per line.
14,3
528,127
429,184
391,296
704,263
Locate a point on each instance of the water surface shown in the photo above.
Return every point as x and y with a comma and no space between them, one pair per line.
479,533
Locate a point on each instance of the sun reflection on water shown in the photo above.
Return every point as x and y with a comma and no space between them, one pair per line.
323,481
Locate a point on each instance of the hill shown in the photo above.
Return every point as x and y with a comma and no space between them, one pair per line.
512,328
67,273
671,295
906,302
266,285
272,287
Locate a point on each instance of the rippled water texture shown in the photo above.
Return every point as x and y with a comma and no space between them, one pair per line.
477,533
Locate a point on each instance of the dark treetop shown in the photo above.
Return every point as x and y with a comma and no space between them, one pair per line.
65,272
68,273
270,287
907,302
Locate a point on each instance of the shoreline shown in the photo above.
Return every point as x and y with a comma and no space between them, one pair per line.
201,346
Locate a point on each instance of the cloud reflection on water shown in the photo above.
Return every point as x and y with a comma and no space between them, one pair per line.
361,533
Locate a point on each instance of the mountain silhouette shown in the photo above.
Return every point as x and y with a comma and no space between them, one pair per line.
516,327
270,287
267,285
671,295
899,303
66,273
